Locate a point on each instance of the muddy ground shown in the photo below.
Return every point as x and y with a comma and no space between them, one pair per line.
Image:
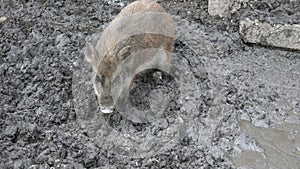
49,115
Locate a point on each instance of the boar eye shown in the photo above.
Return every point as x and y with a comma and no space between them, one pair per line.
100,79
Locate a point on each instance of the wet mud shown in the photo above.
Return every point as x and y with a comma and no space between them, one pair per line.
239,107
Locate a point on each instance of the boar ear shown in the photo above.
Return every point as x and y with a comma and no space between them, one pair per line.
90,53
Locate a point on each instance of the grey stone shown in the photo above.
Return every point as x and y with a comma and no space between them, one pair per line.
277,35
3,18
225,7
219,7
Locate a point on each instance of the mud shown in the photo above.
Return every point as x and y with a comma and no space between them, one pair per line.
246,114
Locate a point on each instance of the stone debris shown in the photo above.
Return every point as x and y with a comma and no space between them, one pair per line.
277,35
219,7
225,7
2,19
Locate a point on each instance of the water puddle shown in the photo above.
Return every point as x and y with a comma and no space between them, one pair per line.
277,147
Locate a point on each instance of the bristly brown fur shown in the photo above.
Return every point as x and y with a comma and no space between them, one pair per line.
113,46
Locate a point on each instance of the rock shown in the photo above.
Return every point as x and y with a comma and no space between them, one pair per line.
219,7
277,35
225,7
2,19
11,131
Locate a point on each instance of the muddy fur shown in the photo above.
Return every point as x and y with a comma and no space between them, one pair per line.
113,47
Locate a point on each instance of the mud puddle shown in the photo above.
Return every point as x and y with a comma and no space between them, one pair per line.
277,147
